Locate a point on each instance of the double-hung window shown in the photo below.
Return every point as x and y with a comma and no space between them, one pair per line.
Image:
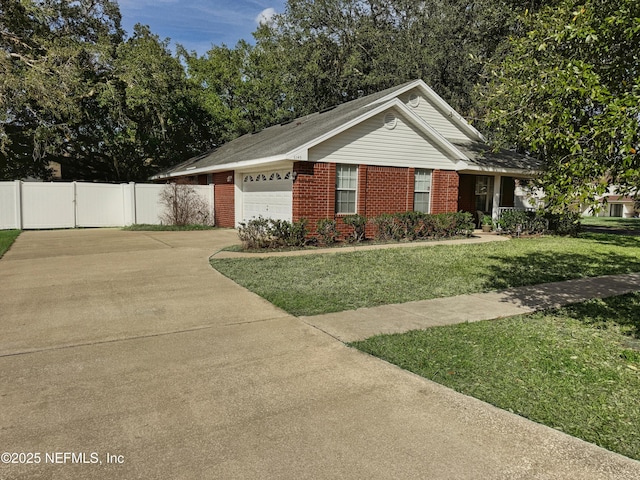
346,188
422,190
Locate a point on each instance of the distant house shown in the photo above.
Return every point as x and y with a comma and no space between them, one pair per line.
400,149
611,204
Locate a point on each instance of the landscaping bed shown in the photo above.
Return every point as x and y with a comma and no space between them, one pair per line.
576,369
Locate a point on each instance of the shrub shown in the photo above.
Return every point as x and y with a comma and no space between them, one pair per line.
387,227
255,233
262,232
327,229
567,223
359,223
514,222
417,225
464,224
183,206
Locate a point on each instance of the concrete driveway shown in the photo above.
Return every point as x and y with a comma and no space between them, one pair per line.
124,355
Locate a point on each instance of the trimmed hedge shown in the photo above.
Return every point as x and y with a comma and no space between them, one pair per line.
517,222
421,226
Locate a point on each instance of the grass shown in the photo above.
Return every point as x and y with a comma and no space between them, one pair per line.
316,284
612,222
145,227
7,237
576,369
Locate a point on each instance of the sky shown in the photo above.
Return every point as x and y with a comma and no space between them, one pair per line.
198,24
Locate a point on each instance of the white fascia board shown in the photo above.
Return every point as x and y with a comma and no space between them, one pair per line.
472,169
441,104
302,153
227,166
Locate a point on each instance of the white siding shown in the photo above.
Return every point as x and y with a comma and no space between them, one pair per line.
434,117
371,143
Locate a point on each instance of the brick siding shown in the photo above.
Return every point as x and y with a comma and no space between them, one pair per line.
380,190
444,191
224,200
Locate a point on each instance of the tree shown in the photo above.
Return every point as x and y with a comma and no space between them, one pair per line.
239,87
567,92
51,54
337,50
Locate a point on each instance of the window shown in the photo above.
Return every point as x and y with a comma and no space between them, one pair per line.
484,193
615,210
422,190
346,187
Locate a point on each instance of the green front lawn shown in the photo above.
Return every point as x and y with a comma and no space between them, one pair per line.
316,284
612,222
7,237
576,369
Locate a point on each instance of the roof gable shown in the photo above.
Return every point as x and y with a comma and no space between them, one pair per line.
291,141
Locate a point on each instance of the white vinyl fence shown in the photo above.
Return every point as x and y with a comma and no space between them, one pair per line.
35,205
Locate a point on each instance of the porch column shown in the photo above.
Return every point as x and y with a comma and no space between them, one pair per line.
497,188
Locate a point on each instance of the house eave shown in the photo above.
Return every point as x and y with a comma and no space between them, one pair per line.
243,165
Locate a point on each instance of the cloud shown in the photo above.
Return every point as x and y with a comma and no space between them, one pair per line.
265,16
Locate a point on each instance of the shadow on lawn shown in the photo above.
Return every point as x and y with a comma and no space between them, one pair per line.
537,272
621,311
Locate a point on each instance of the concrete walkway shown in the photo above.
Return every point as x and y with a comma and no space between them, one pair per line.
363,323
129,347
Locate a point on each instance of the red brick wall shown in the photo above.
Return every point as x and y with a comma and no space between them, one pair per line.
224,200
444,191
385,190
380,190
314,194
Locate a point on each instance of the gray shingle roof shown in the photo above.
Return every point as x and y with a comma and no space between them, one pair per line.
283,138
286,137
483,156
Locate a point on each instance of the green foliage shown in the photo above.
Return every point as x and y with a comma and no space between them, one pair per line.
516,222
567,93
75,91
566,223
260,233
327,229
421,226
359,224
332,51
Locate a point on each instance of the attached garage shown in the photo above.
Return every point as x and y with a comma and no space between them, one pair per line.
267,194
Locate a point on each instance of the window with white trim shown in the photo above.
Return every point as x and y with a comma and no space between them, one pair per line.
422,190
346,188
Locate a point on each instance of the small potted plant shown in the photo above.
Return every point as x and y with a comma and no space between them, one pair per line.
487,223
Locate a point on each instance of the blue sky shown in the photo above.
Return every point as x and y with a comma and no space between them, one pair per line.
197,24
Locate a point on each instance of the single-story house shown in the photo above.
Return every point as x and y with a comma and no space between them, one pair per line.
400,149
611,204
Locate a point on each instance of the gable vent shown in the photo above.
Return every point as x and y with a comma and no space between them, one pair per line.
390,121
414,100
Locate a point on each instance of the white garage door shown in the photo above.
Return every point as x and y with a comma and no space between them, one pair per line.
267,194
